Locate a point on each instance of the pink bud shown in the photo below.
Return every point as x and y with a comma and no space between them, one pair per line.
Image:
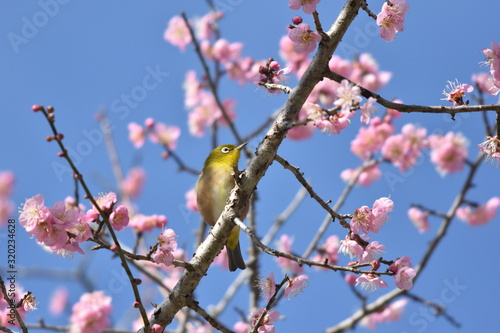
37,108
149,123
375,264
274,66
297,20
50,109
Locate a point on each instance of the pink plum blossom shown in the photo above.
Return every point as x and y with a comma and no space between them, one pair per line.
328,252
448,152
341,66
6,205
225,52
493,59
373,251
6,183
119,217
404,273
167,244
284,244
49,225
366,219
350,279
404,278
241,327
366,177
137,134
491,149
390,313
370,139
208,112
268,286
419,219
455,92
105,201
484,82
304,39
308,6
193,89
295,286
134,181
404,149
177,33
91,313
350,247
391,19
293,58
348,95
267,325
370,282
240,70
205,26
165,135
367,110
366,73
481,215
191,203
58,301
145,223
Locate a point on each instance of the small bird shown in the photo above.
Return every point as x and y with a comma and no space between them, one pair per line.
212,190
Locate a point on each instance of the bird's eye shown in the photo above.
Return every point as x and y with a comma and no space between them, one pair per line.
225,150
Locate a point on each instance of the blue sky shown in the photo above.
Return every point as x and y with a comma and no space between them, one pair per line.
83,57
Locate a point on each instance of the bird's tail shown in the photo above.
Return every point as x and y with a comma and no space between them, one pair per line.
235,258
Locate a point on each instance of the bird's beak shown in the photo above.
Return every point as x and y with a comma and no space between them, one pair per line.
240,147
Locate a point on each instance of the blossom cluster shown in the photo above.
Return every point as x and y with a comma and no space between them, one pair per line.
167,244
272,73
63,226
159,133
448,152
91,314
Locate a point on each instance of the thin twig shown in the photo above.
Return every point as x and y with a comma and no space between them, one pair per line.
180,163
193,305
364,6
310,190
299,260
275,86
452,110
440,310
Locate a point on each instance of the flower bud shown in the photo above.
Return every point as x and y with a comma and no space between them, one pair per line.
297,20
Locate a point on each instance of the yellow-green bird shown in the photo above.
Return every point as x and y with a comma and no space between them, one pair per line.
212,190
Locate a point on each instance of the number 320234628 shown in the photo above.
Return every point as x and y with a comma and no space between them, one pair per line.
11,243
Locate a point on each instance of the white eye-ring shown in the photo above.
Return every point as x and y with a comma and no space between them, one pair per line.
225,150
